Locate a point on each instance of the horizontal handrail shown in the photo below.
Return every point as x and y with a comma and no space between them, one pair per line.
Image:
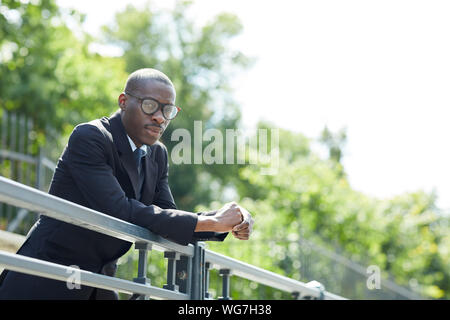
259,275
19,195
17,156
46,162
13,155
56,271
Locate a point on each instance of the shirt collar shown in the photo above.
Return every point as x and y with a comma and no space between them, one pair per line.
133,146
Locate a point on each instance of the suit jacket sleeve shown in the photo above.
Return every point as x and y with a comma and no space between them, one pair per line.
86,158
164,199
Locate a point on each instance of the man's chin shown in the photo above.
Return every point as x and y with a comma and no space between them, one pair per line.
150,140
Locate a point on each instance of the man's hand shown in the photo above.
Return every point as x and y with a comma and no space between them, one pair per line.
227,217
231,217
243,230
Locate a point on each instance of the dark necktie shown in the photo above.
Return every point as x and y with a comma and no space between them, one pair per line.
137,158
138,153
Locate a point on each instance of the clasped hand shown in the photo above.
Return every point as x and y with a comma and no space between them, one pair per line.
236,219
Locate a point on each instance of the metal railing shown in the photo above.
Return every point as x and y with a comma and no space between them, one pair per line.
188,266
22,160
41,164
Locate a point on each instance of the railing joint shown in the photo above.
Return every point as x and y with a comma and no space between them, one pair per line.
295,295
317,285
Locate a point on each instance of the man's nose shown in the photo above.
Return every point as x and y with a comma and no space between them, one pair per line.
158,117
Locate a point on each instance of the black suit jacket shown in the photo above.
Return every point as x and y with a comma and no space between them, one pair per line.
97,170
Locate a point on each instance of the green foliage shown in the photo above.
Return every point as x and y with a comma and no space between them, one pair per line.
309,198
48,73
334,142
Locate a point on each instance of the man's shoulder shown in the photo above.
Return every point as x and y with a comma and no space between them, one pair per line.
94,128
92,133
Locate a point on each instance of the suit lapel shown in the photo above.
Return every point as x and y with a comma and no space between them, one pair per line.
124,149
130,167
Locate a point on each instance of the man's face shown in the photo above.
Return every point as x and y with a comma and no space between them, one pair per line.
143,128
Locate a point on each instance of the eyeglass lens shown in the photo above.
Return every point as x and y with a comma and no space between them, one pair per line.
150,106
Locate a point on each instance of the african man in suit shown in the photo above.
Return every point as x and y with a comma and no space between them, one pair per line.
117,166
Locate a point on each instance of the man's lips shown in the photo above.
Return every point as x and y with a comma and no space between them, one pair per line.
153,128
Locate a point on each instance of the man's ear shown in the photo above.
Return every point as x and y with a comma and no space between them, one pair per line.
122,101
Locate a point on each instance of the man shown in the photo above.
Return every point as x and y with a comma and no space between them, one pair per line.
117,166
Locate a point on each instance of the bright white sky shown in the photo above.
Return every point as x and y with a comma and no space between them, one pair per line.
380,68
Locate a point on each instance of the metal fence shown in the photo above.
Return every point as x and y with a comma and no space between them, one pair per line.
313,258
187,266
23,161
349,278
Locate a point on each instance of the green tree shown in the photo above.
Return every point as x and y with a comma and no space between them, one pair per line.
335,142
48,73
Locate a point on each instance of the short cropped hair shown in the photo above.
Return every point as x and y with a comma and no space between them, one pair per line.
139,77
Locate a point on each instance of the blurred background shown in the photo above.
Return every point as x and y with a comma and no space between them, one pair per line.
357,89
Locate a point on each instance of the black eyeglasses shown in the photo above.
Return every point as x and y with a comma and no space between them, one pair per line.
150,106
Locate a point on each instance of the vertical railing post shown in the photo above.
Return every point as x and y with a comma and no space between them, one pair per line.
172,258
21,138
198,269
225,274
184,274
207,267
143,248
12,146
39,170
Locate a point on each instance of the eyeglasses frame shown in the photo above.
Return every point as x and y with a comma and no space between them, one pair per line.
160,105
